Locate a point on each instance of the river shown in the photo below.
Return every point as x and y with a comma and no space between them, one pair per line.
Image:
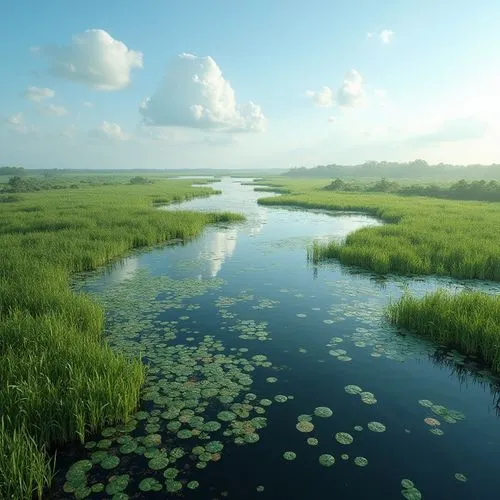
272,377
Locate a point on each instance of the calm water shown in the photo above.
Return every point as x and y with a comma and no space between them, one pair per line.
316,329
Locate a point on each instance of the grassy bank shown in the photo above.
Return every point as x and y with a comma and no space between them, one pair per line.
468,321
426,236
59,379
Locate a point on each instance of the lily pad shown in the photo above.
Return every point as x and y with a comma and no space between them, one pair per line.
323,412
305,426
326,460
289,455
361,461
344,438
376,427
150,484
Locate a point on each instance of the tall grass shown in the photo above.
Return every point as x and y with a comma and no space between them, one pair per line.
469,321
426,236
59,379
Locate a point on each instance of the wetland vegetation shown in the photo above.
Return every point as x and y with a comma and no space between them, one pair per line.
60,380
169,372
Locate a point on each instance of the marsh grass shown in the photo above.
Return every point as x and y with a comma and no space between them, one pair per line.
469,321
59,379
425,235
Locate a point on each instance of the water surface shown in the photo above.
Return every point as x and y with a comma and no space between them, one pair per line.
199,313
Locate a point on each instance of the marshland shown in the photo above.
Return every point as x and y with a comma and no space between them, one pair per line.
330,332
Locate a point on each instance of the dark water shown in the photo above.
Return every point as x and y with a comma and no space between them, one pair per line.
257,271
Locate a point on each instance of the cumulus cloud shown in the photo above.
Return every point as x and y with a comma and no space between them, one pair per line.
38,94
17,124
96,59
322,98
109,131
195,94
351,93
386,36
52,109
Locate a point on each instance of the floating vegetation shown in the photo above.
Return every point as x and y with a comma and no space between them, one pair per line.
436,432
289,455
280,398
366,397
432,421
301,315
304,426
192,485
251,330
323,412
326,460
344,456
361,461
271,380
460,477
312,441
376,426
260,489
358,428
353,389
344,438
304,418
410,491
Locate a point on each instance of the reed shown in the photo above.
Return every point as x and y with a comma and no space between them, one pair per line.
468,321
59,378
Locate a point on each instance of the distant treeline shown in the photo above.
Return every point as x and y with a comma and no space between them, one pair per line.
417,169
23,184
12,171
461,190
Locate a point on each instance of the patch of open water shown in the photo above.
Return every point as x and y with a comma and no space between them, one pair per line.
245,339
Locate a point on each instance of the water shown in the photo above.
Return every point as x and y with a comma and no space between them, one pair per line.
252,280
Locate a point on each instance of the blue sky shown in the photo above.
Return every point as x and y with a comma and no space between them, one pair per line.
156,84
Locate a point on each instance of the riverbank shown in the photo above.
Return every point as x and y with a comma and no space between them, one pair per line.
59,378
425,236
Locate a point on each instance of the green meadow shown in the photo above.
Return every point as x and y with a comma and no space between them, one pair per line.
423,236
60,380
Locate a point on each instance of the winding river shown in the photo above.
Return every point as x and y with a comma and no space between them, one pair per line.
272,377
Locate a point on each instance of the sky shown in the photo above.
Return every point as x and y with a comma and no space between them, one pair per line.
261,84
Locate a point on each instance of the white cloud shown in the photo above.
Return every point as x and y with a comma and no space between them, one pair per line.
96,59
386,36
38,94
323,98
352,93
195,94
52,109
369,35
17,124
381,96
109,130
88,104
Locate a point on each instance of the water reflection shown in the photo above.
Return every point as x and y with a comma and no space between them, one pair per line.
217,247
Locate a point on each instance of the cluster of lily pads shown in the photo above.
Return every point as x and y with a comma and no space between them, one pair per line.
251,330
340,354
409,490
366,397
445,415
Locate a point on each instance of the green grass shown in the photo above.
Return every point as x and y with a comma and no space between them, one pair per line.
469,321
59,379
425,235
